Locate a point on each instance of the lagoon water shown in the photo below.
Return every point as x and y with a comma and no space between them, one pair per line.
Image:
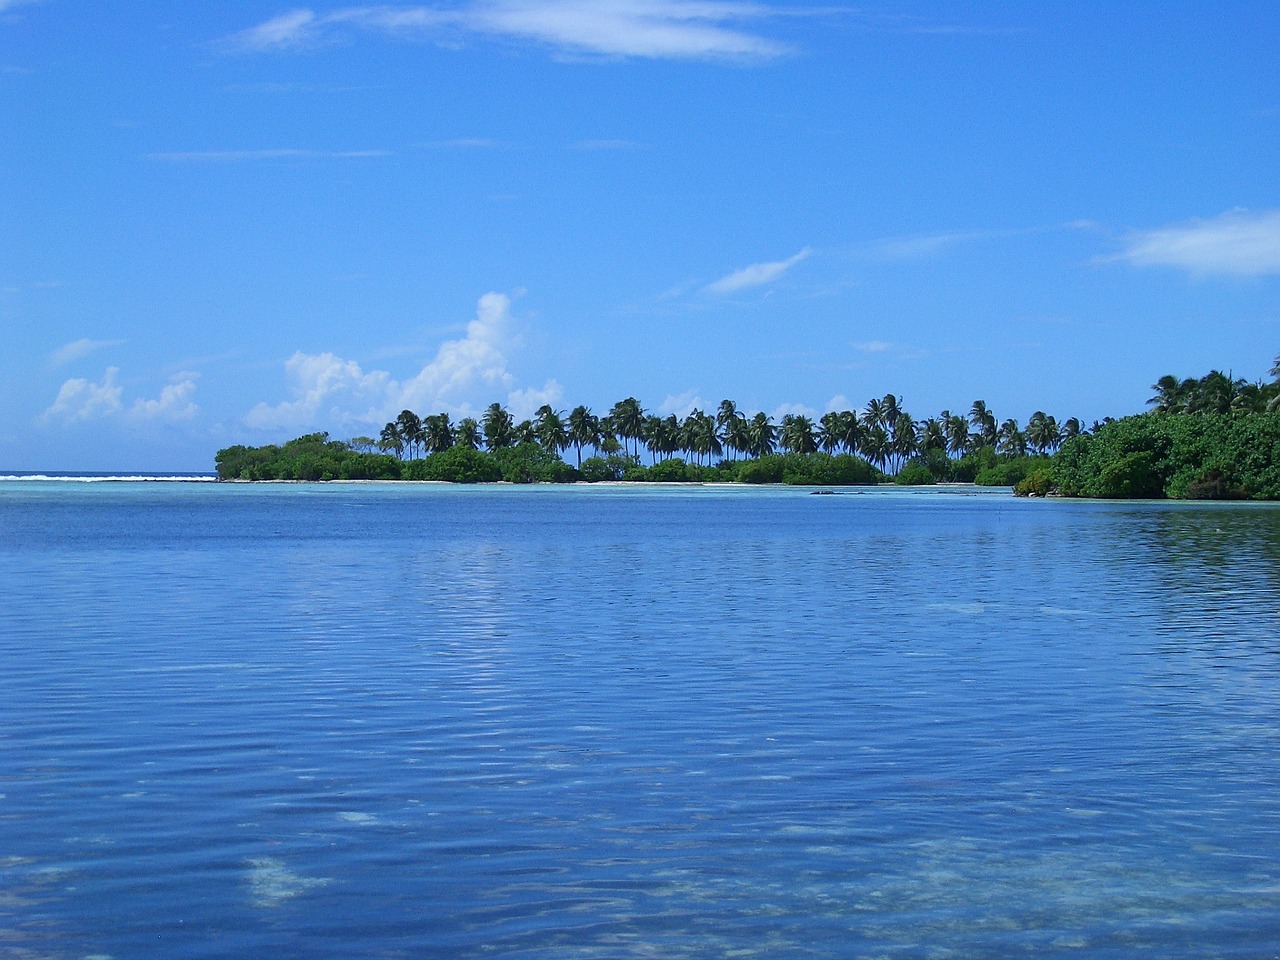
586,722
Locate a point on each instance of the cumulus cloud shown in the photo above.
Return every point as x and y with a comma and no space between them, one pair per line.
81,400
523,403
682,405
465,374
657,29
80,348
326,387
795,409
173,404
756,275
1240,242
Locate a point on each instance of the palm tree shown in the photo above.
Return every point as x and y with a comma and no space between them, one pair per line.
737,435
437,433
874,415
628,420
797,434
1071,427
652,435
875,445
932,436
985,422
956,427
701,436
608,436
498,427
904,441
1275,368
410,427
468,433
584,430
726,414
1251,398
830,430
524,432
1214,393
1168,394
763,435
390,439
670,435
1010,439
1042,432
549,429
850,431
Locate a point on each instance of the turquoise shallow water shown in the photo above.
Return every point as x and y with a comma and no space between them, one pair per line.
394,721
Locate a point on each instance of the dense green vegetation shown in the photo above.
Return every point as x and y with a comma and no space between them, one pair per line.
839,448
1214,438
1211,438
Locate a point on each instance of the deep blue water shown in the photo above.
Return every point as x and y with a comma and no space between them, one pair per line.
422,721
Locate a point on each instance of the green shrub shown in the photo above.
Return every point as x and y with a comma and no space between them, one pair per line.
1009,472
455,465
1174,455
1037,483
675,470
1132,477
612,467
530,463
915,475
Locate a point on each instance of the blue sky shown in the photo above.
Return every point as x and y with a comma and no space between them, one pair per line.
240,222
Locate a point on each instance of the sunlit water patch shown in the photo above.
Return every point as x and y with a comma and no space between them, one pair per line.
310,721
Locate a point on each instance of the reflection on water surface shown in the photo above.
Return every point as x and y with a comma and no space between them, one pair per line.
388,721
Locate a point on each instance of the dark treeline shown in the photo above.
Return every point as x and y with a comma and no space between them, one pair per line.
1211,438
1216,437
884,434
881,441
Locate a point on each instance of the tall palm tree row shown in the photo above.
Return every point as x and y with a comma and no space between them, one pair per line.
1216,392
884,433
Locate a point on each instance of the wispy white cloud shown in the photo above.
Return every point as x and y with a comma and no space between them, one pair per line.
874,346
657,29
468,143
465,375
756,275
6,5
81,400
80,348
240,156
606,145
1240,242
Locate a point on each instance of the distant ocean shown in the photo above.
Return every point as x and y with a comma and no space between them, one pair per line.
89,477
554,723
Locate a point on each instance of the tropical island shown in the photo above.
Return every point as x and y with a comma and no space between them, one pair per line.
1215,437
